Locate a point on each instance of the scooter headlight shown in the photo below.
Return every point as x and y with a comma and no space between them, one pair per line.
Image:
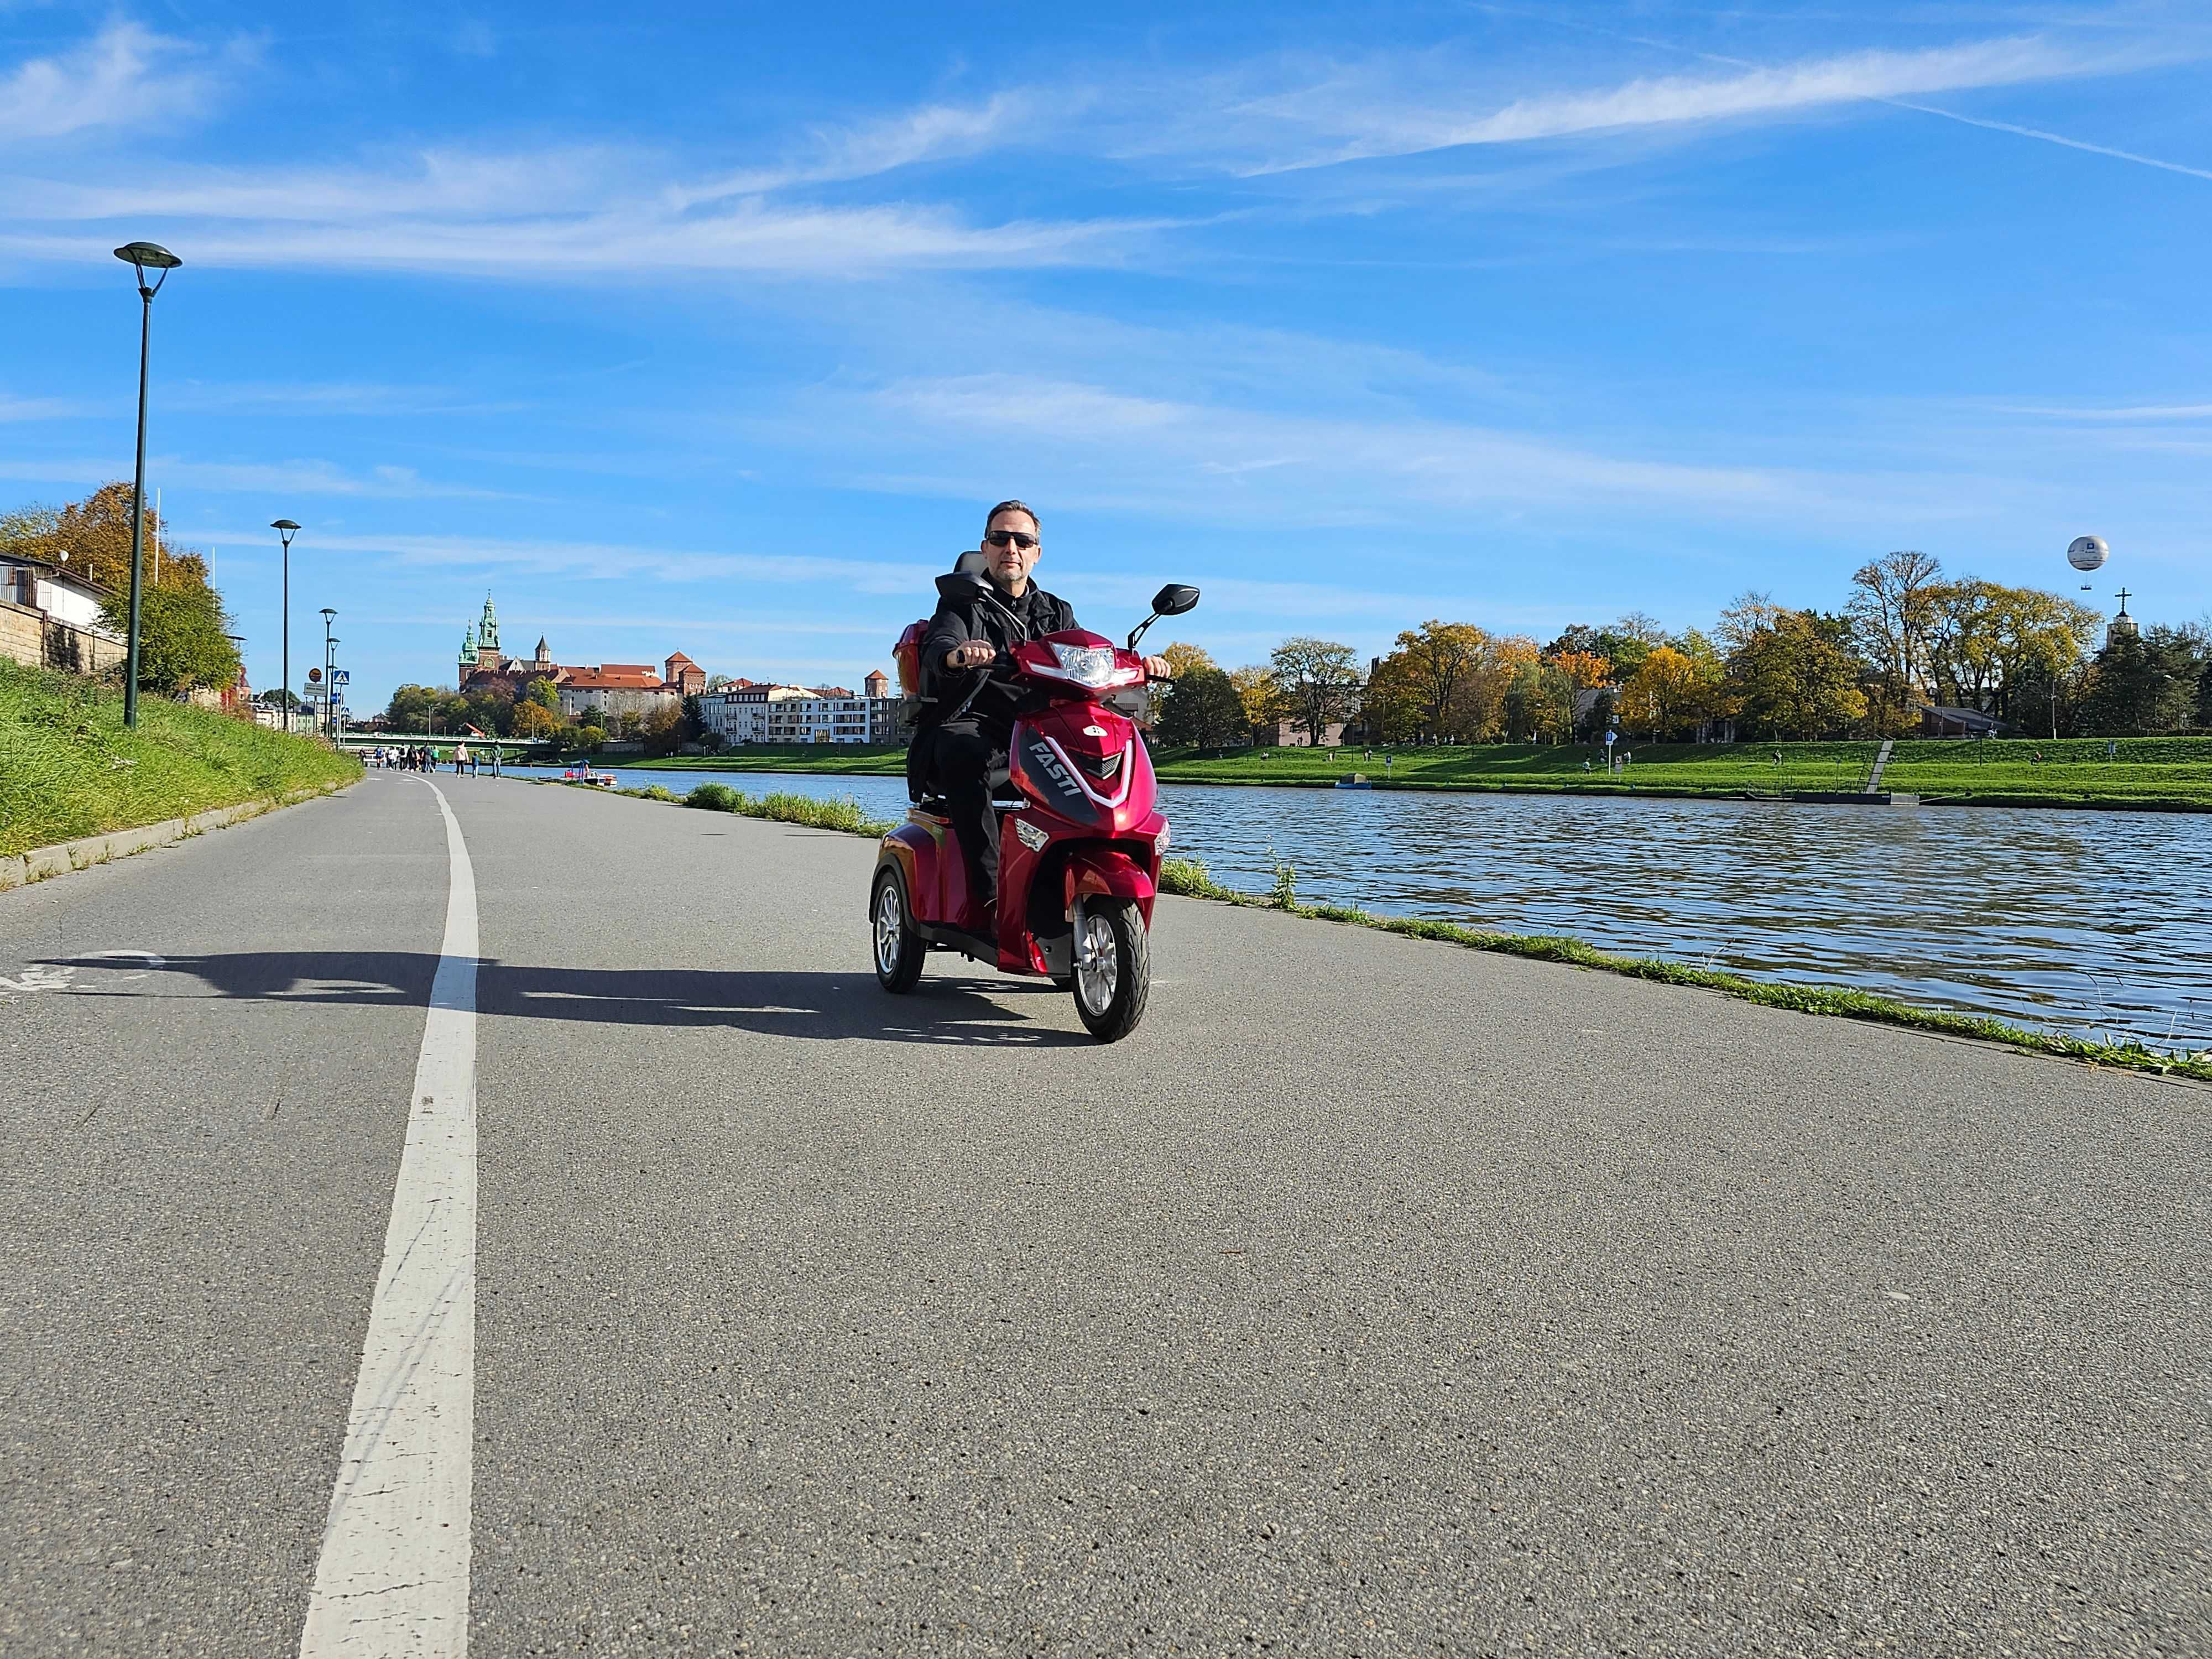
1086,665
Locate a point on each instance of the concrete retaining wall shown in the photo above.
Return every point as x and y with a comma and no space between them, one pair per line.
42,862
33,637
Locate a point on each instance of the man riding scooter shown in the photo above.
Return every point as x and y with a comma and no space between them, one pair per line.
967,675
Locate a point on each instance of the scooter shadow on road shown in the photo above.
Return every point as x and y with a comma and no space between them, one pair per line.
832,1006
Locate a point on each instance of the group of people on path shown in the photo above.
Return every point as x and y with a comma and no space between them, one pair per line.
422,758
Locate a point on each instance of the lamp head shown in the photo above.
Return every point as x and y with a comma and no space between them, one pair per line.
145,254
329,615
143,257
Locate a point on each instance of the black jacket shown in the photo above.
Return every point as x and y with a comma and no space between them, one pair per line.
1033,615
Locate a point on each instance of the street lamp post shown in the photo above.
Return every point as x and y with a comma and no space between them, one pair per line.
285,530
140,256
329,616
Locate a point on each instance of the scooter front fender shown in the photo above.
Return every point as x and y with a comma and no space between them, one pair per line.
1107,873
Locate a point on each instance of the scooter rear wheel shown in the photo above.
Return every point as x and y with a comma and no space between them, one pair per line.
899,950
1113,968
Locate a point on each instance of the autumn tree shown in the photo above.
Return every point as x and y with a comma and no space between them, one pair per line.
91,537
1435,668
1664,695
1794,679
1262,698
1390,707
533,719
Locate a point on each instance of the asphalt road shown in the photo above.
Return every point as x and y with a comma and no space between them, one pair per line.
1375,1298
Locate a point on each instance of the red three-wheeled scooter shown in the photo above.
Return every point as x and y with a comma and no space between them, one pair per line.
1080,833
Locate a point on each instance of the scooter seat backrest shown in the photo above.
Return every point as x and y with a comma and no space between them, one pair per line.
974,563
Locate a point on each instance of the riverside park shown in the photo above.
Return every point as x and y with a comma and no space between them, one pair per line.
1527,1293
955,833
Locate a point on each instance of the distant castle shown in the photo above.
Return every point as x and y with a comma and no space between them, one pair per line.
615,687
481,659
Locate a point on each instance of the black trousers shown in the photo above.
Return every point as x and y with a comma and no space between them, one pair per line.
967,761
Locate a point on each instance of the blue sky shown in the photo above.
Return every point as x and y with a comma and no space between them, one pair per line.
717,331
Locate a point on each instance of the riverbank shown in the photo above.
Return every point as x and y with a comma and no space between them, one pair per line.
1190,878
2131,773
70,769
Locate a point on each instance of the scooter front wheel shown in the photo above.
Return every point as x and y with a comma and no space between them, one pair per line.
899,948
1113,968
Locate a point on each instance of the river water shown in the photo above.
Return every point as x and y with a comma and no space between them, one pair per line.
2093,923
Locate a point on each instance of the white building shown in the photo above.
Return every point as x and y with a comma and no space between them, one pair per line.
797,713
738,713
38,586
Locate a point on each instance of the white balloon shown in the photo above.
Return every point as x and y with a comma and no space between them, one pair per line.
2087,552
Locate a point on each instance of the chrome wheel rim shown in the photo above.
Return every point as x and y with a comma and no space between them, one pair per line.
1097,964
887,929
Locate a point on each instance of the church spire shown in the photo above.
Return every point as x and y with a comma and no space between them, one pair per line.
488,630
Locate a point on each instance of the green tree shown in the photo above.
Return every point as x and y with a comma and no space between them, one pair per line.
1319,680
409,707
183,635
1204,711
2142,683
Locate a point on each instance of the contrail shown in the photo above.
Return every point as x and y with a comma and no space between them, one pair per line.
2050,138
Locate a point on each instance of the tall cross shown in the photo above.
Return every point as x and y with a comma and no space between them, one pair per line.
2124,602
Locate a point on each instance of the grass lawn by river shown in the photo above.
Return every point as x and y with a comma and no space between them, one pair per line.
2071,771
67,767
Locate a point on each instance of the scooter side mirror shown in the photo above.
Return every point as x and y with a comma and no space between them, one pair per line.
1174,600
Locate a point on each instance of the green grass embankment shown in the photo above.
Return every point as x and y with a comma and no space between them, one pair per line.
845,814
2173,773
69,768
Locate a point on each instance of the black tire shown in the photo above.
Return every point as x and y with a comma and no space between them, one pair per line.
1110,990
899,951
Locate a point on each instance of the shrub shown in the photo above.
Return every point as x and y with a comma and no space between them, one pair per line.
715,798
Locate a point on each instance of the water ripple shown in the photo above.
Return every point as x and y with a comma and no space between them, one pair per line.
2079,921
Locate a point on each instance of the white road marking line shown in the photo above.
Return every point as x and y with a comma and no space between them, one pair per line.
392,1579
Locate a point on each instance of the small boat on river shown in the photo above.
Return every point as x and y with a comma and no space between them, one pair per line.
1357,781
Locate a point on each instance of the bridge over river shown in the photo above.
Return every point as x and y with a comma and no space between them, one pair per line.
460,1214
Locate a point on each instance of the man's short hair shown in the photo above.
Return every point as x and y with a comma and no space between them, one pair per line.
1014,507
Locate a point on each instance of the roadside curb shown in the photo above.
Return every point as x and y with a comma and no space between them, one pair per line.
44,863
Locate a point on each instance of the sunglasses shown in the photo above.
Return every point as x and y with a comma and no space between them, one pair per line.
1010,538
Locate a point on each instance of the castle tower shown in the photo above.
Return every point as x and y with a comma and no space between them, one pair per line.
544,657
467,665
488,631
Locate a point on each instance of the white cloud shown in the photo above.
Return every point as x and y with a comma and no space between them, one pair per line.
292,478
2147,413
127,75
1380,108
42,409
568,213
931,133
